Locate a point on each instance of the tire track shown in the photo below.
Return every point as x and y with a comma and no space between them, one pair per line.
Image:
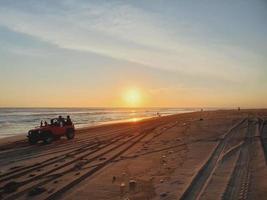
202,178
30,183
19,172
56,176
114,158
61,144
238,185
263,137
45,164
67,187
77,149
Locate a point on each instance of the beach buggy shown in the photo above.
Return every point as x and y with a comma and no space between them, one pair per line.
49,132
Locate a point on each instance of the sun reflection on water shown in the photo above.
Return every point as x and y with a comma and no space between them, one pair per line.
135,119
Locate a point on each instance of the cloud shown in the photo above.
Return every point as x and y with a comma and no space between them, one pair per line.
121,31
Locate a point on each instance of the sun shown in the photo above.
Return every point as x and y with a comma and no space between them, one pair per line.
132,97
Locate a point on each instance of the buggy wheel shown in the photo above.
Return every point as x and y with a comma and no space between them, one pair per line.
32,140
70,134
48,138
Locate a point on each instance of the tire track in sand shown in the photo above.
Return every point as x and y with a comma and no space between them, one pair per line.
202,178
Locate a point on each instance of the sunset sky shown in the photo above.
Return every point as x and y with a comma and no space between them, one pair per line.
164,53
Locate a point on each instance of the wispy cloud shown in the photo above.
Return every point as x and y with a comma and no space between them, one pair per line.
122,31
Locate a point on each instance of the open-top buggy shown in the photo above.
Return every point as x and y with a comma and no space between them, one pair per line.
49,132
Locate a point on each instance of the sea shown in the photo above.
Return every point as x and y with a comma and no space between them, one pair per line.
16,121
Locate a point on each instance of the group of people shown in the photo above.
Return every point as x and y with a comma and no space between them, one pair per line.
63,121
59,121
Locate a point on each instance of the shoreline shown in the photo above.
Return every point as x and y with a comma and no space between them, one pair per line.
87,126
22,136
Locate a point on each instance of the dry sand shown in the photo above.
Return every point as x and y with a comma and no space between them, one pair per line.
182,156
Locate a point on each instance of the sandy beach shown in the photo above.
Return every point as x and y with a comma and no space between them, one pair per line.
200,155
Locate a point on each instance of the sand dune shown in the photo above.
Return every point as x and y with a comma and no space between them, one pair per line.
182,156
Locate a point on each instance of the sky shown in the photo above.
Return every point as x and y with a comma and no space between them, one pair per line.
183,53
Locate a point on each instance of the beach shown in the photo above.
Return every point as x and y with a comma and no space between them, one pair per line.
199,155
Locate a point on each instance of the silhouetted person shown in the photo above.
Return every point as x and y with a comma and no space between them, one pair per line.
45,123
61,121
68,121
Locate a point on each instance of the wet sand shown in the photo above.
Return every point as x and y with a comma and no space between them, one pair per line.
201,155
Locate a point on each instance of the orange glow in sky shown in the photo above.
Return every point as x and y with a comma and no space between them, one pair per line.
132,97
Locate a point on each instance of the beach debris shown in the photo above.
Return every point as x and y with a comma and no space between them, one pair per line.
78,173
102,158
170,152
163,159
36,191
161,181
113,179
201,119
122,188
132,185
56,181
78,166
164,194
11,187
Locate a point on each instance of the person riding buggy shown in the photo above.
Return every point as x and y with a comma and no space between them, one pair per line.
48,132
